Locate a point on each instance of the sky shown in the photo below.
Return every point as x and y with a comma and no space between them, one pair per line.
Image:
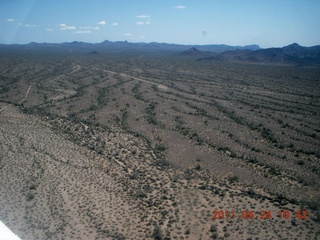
268,23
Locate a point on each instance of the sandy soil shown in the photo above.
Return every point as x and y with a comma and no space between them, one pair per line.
57,189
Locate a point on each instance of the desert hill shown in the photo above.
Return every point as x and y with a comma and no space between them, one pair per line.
293,54
195,53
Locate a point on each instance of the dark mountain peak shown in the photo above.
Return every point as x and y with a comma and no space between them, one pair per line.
194,52
105,42
93,53
252,47
75,42
297,51
294,45
191,51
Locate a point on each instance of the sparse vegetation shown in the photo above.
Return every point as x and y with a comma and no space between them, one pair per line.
157,233
138,147
30,196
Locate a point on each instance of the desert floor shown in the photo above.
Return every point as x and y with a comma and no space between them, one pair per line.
135,148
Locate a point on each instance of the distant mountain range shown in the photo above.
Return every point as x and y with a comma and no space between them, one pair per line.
293,54
109,46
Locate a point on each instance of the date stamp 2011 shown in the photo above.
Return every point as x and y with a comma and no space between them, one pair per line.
263,215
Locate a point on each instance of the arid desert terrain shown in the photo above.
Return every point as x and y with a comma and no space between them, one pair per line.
145,146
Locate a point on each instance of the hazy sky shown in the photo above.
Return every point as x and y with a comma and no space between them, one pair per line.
269,23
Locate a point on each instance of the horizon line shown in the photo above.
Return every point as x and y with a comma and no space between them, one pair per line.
126,41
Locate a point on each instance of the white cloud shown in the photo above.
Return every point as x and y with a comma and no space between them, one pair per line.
128,34
102,23
66,27
10,20
83,32
143,16
26,25
148,21
142,36
91,28
49,29
180,7
114,24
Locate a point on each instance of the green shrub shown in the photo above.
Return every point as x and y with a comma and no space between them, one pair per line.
141,194
197,167
157,233
30,196
233,179
213,228
215,236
